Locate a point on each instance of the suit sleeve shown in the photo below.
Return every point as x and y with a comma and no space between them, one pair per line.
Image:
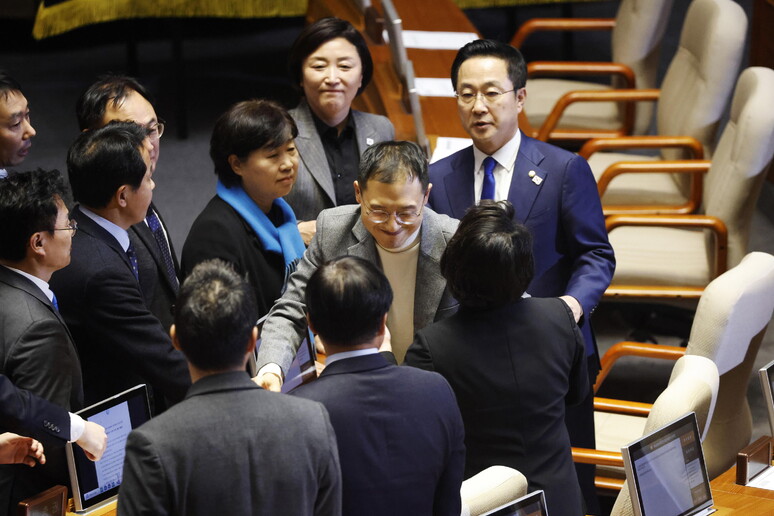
41,361
418,354
26,414
586,236
579,378
447,494
285,326
329,493
144,484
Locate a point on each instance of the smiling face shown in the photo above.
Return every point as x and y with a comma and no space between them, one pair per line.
331,77
401,196
267,174
135,108
491,124
16,132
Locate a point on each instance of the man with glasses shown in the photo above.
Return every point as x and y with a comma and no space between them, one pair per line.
118,97
391,228
552,191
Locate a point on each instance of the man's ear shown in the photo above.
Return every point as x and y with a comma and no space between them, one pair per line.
173,336
36,243
121,195
357,191
253,340
427,192
383,326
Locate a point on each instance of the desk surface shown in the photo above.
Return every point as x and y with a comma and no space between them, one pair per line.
731,498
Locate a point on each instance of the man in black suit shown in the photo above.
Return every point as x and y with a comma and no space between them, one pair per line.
118,97
229,447
119,340
514,363
399,430
36,349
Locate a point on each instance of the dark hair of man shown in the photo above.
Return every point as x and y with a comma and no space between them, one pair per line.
390,162
319,33
488,262
346,299
92,104
214,316
28,204
517,68
99,162
7,85
248,126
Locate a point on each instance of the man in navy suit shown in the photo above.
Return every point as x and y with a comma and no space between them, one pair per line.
399,430
553,192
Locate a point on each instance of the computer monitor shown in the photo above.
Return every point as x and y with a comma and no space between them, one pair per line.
533,504
766,375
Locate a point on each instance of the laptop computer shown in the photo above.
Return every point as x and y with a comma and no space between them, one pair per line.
766,375
666,471
533,504
302,369
95,484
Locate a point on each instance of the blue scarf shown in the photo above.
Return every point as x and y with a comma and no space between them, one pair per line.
284,240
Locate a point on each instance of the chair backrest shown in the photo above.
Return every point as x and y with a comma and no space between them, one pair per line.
491,488
731,320
693,387
742,156
636,42
701,75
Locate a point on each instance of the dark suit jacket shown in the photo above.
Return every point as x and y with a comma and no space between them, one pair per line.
232,448
119,341
314,189
399,433
37,354
26,414
220,232
513,370
563,213
158,291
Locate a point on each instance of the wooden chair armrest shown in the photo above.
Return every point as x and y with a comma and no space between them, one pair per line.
629,96
696,168
598,457
560,24
632,408
543,68
636,349
689,143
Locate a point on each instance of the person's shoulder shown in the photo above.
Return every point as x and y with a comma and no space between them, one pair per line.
531,146
449,163
446,224
344,215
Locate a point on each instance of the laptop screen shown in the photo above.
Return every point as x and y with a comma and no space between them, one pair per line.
97,482
533,504
666,471
766,374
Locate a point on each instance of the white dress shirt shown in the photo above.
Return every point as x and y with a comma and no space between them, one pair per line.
505,157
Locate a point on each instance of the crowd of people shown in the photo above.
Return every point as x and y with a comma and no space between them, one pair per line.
452,301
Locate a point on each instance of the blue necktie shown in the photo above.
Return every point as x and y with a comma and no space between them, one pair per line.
132,255
488,191
166,255
54,301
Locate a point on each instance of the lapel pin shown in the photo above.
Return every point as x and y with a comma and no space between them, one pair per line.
535,178
369,141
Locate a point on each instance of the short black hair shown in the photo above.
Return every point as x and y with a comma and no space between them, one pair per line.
488,262
517,67
389,162
8,85
28,204
246,127
99,162
346,300
319,33
110,88
215,314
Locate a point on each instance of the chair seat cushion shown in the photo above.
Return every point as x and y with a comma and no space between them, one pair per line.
542,94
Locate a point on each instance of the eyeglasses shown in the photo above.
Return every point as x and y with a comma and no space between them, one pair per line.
404,218
155,129
489,96
71,226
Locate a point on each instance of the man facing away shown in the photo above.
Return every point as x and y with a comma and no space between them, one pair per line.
399,430
390,227
119,341
16,131
230,447
553,193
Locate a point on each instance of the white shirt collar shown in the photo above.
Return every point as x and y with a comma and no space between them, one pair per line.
42,285
118,232
505,156
350,354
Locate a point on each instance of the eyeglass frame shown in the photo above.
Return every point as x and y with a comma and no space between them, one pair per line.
488,97
73,226
156,129
370,212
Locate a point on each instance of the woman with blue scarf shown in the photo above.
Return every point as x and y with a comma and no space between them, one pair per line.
247,223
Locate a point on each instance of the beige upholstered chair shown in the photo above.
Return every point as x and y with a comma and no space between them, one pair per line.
693,387
678,255
491,488
730,323
691,102
637,31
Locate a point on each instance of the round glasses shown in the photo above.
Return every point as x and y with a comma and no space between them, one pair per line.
404,218
489,96
155,129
